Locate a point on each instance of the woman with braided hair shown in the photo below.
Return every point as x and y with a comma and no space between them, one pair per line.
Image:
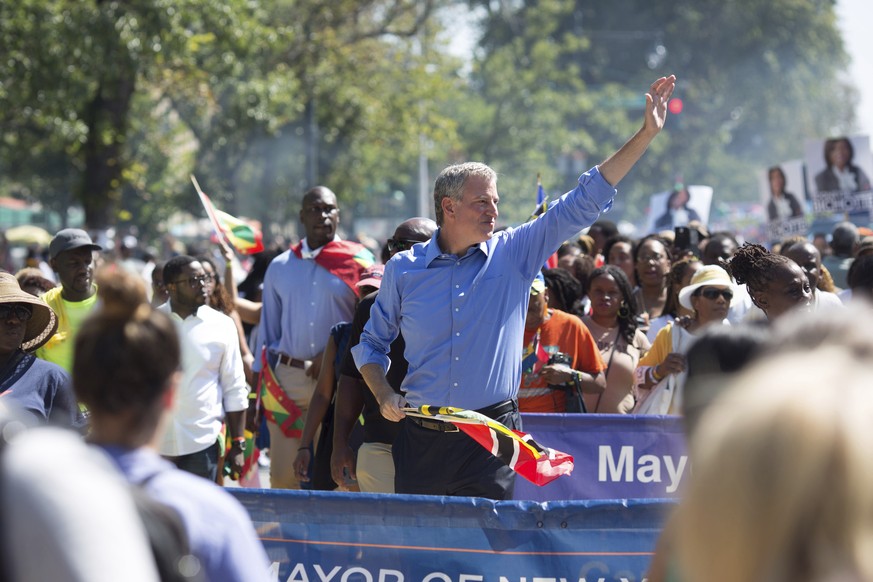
775,282
613,324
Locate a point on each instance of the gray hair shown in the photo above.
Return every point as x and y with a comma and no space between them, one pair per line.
450,183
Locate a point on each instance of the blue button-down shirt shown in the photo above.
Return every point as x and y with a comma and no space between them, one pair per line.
301,302
463,316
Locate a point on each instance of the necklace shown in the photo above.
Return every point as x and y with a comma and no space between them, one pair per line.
602,337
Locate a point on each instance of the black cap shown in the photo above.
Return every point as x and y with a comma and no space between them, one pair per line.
69,239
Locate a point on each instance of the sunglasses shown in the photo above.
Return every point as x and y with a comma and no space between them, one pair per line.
713,294
20,312
396,245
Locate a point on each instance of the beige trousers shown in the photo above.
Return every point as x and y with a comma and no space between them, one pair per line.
375,468
283,450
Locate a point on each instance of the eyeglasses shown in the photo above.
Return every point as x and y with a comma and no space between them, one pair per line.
396,245
194,282
655,258
20,312
713,294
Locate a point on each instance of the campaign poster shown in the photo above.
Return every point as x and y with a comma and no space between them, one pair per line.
838,173
783,195
678,207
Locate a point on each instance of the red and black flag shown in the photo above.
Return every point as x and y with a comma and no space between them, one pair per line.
538,464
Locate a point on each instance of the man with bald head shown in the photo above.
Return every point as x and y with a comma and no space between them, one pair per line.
374,469
307,290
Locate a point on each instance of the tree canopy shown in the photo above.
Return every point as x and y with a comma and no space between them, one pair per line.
111,104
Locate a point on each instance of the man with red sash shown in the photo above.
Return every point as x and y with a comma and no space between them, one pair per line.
307,290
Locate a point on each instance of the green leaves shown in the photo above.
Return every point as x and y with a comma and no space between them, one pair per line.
113,104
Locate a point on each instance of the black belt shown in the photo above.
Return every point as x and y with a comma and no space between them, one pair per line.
492,412
433,424
293,362
499,409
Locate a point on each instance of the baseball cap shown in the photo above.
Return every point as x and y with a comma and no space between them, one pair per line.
371,277
69,239
538,285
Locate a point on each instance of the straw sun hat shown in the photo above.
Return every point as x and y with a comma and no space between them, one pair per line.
708,276
44,322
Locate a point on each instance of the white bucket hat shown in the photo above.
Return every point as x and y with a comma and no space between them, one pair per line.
708,276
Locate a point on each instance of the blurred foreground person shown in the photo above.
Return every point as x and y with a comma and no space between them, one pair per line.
126,370
68,515
781,490
715,358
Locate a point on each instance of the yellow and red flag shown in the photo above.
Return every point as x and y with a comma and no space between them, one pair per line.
245,238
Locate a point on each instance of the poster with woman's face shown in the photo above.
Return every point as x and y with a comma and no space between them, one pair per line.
838,172
783,195
678,207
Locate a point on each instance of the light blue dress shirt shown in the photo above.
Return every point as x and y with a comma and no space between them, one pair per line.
301,302
219,529
463,317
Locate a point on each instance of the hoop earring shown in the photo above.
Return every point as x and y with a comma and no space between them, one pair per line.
623,311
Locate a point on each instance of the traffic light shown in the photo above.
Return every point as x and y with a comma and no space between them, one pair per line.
675,106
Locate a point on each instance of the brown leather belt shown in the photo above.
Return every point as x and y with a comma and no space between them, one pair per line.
292,362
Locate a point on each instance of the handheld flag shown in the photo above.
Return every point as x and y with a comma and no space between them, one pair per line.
244,237
541,207
519,451
542,201
534,356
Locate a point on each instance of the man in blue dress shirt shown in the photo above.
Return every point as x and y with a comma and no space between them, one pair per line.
460,301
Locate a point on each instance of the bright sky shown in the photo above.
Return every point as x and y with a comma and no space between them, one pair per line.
855,18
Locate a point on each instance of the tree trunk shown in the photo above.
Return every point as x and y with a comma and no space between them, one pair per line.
107,119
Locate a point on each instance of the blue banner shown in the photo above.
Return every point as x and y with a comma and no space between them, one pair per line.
616,456
359,537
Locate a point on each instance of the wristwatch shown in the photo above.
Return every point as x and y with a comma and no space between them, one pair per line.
241,443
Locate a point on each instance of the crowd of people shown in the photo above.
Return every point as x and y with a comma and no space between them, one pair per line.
322,354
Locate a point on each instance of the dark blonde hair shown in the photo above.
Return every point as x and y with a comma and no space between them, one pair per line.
126,351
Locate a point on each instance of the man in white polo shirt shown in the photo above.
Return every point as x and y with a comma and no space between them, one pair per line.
213,387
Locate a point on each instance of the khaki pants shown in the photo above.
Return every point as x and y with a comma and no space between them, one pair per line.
375,468
283,450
